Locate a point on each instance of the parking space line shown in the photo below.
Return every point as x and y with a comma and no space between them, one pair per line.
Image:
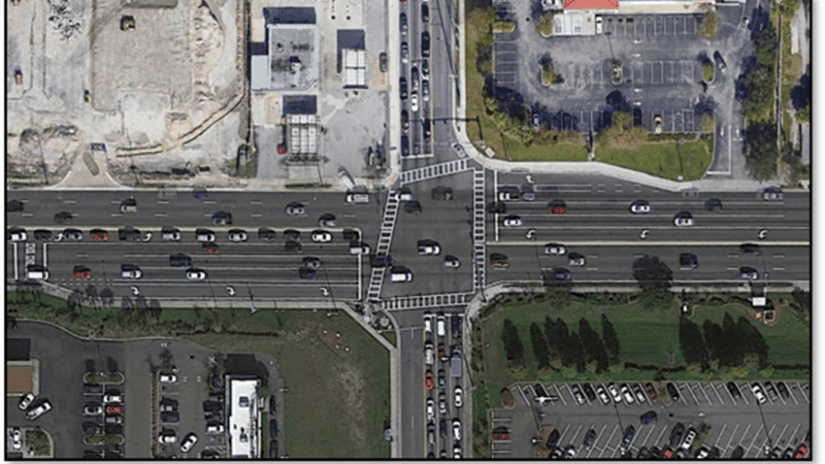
561,437
779,438
755,437
702,389
692,394
745,391
652,429
790,391
721,434
793,435
744,435
576,434
765,442
730,440
615,427
682,396
803,393
560,395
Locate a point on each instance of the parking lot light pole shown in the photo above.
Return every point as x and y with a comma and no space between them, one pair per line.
610,44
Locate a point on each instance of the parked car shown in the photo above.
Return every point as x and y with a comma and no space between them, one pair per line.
168,378
690,436
683,219
43,408
589,438
676,434
93,410
603,397
648,418
651,392
629,433
26,401
758,393
614,392
673,391
188,442
626,394
772,194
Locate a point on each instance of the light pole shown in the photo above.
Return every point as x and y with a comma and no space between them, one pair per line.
610,44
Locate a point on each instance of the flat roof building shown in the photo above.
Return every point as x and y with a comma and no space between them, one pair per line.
291,63
244,417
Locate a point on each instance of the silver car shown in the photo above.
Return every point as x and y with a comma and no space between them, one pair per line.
555,249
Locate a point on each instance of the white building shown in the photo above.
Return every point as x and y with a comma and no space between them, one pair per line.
244,417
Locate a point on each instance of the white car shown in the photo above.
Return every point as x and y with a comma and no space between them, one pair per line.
26,401
512,221
359,249
295,209
168,378
39,411
430,409
689,438
403,194
414,101
458,397
555,249
188,442
112,399
614,392
214,428
321,236
428,354
507,195
683,219
195,274
457,430
16,439
428,323
428,248
576,259
602,395
170,235
168,438
758,393
237,235
628,396
93,410
130,272
456,452
17,234
451,261
640,207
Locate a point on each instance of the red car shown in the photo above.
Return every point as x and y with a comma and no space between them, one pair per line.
556,207
667,454
114,409
651,392
428,380
211,248
82,272
442,354
801,452
99,235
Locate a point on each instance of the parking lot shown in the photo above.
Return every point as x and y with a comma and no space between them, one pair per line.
730,420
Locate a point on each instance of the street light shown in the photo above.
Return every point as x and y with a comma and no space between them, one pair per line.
610,44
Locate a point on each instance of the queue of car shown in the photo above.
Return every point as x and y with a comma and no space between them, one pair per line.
436,325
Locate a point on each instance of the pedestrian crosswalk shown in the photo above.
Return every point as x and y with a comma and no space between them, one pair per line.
383,247
426,301
479,247
436,170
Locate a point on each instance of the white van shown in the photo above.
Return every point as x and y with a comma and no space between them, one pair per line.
441,325
401,276
37,273
358,198
345,178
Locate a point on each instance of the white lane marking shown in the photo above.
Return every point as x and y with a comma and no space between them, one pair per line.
160,214
256,215
14,247
45,256
70,202
657,244
721,434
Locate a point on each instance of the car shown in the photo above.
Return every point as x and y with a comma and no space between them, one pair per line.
74,235
43,408
776,453
589,438
771,391
113,398
351,235
321,236
455,321
402,22
14,206
508,194
555,249
640,395
170,234
557,453
405,120
195,274
749,249
499,260
292,234
295,209
167,436
306,273
428,322
673,391
629,432
170,417
16,439
788,454
772,194
311,262
412,207
451,261
528,195
626,394
512,221
748,273
683,219
414,101
293,246
442,428
237,235
428,353
205,235
553,440
536,121
713,205
130,271
442,378
758,393
82,272
714,453
614,392
442,352
589,392
657,124
667,453
458,397
496,207
428,248
644,453
430,409
414,78
801,451
689,260
561,273
680,453
405,146
428,380
737,453
676,434
576,259
425,44
431,434
720,62
426,125
783,390
211,248
114,409
128,205
425,67
221,218
382,61
26,401
92,410
99,235
556,206
167,378
425,95
425,13
16,234
651,392
442,403
402,87
655,453
402,194
577,394
42,234
188,442
648,418
457,429
690,436
603,396
63,217
456,452
405,52
441,325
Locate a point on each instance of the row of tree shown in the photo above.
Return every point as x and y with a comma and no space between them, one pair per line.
558,343
728,344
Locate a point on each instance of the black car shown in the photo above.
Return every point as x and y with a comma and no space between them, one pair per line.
405,120
306,273
714,453
402,22
273,449
382,61
749,249
63,218
562,274
655,453
380,260
783,390
771,391
425,68
293,246
588,390
689,260
292,234
553,440
129,234
14,206
425,44
713,205
442,428
496,207
267,234
351,235
403,87
734,390
425,13
273,429
720,62
427,128
442,193
405,146
169,417
412,207
222,218
676,434
42,234
629,432
442,378
590,438
180,260
674,393
644,453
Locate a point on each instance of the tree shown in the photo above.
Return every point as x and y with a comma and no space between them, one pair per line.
551,337
734,350
649,270
710,26
715,340
539,346
762,151
655,297
691,343
707,123
577,351
611,339
753,341
513,347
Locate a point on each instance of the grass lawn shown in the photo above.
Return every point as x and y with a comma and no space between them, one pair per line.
661,159
390,336
518,151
